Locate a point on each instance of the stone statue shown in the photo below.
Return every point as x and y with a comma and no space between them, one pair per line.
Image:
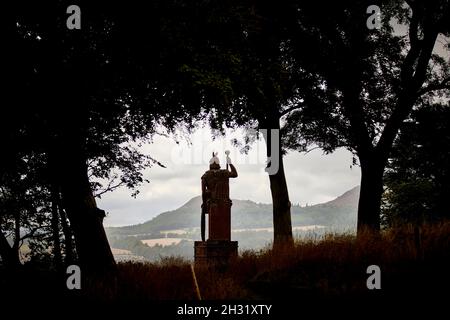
216,199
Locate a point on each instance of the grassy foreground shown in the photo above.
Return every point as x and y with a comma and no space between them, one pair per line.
413,261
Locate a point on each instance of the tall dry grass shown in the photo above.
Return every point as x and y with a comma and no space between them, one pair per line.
412,260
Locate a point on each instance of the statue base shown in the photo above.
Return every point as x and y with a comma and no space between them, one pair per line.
215,252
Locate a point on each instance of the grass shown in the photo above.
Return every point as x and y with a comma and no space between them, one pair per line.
411,260
414,263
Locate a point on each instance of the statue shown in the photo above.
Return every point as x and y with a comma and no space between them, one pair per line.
218,250
216,199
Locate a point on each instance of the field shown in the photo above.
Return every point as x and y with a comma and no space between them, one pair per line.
162,241
298,228
116,251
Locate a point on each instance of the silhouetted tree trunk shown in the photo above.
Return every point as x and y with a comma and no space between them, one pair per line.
371,190
68,237
86,220
9,255
16,243
55,229
282,225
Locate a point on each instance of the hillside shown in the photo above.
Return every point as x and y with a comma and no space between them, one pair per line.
246,214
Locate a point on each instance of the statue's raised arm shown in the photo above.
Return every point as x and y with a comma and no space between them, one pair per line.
232,173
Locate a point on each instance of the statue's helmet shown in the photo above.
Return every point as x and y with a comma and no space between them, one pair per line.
214,163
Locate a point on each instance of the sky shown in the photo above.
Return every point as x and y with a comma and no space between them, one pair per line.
312,178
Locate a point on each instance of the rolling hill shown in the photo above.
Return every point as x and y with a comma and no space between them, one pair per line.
246,214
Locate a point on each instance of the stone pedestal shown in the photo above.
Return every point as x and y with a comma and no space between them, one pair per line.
215,252
219,221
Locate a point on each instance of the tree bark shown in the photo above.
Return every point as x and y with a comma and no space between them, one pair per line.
55,229
68,237
16,243
10,256
86,219
282,225
369,205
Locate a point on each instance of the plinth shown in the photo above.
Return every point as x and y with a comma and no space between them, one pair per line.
215,252
219,222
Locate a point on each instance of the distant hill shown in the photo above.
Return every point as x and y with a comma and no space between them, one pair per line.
349,199
339,213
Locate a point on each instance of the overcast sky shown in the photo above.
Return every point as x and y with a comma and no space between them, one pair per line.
312,178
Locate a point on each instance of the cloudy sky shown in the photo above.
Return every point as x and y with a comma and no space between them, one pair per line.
312,178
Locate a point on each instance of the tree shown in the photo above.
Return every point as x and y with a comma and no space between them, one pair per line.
417,178
84,96
243,71
22,213
368,81
268,88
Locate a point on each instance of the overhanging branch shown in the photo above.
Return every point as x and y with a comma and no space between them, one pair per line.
444,84
288,110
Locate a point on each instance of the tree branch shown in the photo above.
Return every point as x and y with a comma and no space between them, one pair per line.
312,149
415,46
19,243
109,188
444,84
409,92
285,112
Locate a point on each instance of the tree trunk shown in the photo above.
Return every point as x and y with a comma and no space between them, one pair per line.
282,225
68,237
10,256
55,229
369,206
16,243
86,220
